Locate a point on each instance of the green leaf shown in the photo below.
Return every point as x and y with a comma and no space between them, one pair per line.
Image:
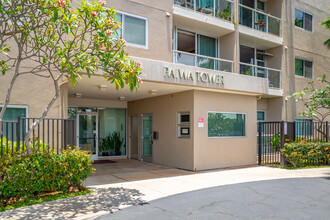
55,17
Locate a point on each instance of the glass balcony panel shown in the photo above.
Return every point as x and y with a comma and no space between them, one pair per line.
203,61
245,16
185,59
260,22
246,70
206,63
225,66
205,6
223,9
274,78
261,72
274,26
185,3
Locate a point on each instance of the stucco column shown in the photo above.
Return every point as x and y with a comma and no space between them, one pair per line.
236,46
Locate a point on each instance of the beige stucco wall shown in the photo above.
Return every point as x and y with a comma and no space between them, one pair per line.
210,153
168,149
159,26
306,45
32,91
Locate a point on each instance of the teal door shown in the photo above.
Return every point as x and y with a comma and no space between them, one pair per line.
88,134
147,138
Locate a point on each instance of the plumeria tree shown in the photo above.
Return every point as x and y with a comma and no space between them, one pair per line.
326,24
318,103
54,39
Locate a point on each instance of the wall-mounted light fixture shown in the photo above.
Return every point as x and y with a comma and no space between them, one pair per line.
78,95
152,92
102,87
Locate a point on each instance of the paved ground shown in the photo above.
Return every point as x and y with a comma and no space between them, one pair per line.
299,198
130,170
307,186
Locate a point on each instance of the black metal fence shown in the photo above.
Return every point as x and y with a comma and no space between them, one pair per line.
50,133
273,135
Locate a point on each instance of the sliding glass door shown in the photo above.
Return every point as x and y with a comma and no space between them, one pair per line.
207,46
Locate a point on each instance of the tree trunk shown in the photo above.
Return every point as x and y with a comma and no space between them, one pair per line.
44,114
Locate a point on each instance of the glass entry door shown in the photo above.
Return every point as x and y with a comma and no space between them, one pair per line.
147,138
88,133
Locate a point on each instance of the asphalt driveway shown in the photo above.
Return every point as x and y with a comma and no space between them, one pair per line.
298,198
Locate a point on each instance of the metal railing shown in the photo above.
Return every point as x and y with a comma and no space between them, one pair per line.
51,133
217,8
202,61
273,75
258,20
272,136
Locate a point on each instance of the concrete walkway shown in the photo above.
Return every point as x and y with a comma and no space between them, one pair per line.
112,197
130,170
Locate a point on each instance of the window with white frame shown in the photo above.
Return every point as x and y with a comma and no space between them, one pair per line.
184,124
303,68
303,20
11,114
134,29
222,124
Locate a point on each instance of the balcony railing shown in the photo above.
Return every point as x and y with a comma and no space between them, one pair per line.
202,61
216,8
258,20
273,75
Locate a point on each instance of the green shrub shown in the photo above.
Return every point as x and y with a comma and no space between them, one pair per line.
303,153
42,172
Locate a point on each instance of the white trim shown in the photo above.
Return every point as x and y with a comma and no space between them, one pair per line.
123,14
245,125
18,106
304,12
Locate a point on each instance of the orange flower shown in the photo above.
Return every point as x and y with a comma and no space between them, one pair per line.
110,22
93,13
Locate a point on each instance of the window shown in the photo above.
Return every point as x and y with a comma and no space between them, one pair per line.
303,20
134,29
184,124
304,68
261,116
226,124
304,127
11,114
192,43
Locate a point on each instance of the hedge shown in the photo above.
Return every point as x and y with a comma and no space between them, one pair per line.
302,153
42,172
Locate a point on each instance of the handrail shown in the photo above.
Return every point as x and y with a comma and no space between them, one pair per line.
260,12
202,56
261,67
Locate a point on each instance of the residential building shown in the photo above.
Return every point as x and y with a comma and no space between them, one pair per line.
212,69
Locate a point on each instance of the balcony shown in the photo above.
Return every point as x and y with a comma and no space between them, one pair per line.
202,61
221,9
273,75
260,21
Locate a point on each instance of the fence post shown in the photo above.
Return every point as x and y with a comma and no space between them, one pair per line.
326,131
294,131
259,144
18,133
282,144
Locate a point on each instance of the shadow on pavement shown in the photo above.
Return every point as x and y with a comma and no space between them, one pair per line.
292,198
107,200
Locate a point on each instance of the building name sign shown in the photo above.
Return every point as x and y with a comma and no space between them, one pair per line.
193,76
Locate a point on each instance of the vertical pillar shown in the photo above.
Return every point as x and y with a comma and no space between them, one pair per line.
236,47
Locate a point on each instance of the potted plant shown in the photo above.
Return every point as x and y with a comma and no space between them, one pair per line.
225,14
105,145
117,142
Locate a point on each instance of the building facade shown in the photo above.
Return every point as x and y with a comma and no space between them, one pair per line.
212,69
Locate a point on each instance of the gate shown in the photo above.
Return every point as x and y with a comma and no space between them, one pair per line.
51,133
273,135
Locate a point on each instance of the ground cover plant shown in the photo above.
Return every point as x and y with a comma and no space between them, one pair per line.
43,174
306,153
